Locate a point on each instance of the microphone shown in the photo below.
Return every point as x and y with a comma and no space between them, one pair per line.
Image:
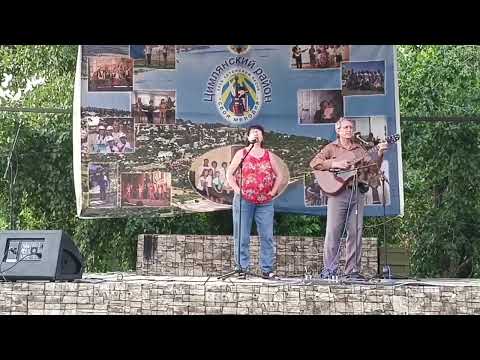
359,138
253,141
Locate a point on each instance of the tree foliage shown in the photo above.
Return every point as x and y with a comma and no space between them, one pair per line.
440,159
441,226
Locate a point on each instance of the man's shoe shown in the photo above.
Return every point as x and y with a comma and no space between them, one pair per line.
242,274
269,276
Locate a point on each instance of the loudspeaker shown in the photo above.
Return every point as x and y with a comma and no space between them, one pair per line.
39,255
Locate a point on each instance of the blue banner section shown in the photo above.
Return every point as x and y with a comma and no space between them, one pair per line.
161,123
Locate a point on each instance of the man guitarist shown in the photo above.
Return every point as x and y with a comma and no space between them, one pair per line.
342,206
297,55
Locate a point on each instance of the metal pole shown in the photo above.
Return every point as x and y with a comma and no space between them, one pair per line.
36,110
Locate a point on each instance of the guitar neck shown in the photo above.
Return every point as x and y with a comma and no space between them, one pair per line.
390,140
372,150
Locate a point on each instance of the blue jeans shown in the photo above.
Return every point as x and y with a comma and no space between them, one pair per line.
264,218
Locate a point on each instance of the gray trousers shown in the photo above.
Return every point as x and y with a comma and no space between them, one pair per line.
336,218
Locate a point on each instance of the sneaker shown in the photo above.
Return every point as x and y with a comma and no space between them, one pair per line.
269,276
328,274
242,274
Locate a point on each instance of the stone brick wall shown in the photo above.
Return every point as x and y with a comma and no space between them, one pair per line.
204,255
166,295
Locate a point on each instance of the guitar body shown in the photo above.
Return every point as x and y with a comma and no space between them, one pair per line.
332,183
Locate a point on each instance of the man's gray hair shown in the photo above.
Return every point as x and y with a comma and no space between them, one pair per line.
340,121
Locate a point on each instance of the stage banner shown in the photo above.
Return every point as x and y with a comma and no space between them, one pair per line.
156,126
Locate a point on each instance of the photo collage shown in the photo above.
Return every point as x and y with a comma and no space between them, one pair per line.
127,118
324,107
112,111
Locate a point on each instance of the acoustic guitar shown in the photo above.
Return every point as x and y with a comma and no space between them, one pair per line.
334,180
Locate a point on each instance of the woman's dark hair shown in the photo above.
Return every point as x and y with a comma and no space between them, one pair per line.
258,127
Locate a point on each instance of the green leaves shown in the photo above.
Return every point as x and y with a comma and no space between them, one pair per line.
439,80
43,191
441,159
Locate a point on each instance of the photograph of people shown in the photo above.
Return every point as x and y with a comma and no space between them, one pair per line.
154,107
151,57
319,106
209,178
319,56
363,78
110,74
297,56
102,180
146,189
111,135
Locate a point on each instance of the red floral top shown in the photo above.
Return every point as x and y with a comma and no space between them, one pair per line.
258,178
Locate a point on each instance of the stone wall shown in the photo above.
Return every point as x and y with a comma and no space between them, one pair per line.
166,295
204,255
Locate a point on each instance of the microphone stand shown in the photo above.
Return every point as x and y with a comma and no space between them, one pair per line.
239,270
386,272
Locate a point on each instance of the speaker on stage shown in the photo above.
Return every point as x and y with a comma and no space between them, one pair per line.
39,255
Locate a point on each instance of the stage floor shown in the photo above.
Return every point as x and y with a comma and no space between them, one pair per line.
129,293
131,276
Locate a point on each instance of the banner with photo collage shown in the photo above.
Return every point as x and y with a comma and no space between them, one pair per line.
156,126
